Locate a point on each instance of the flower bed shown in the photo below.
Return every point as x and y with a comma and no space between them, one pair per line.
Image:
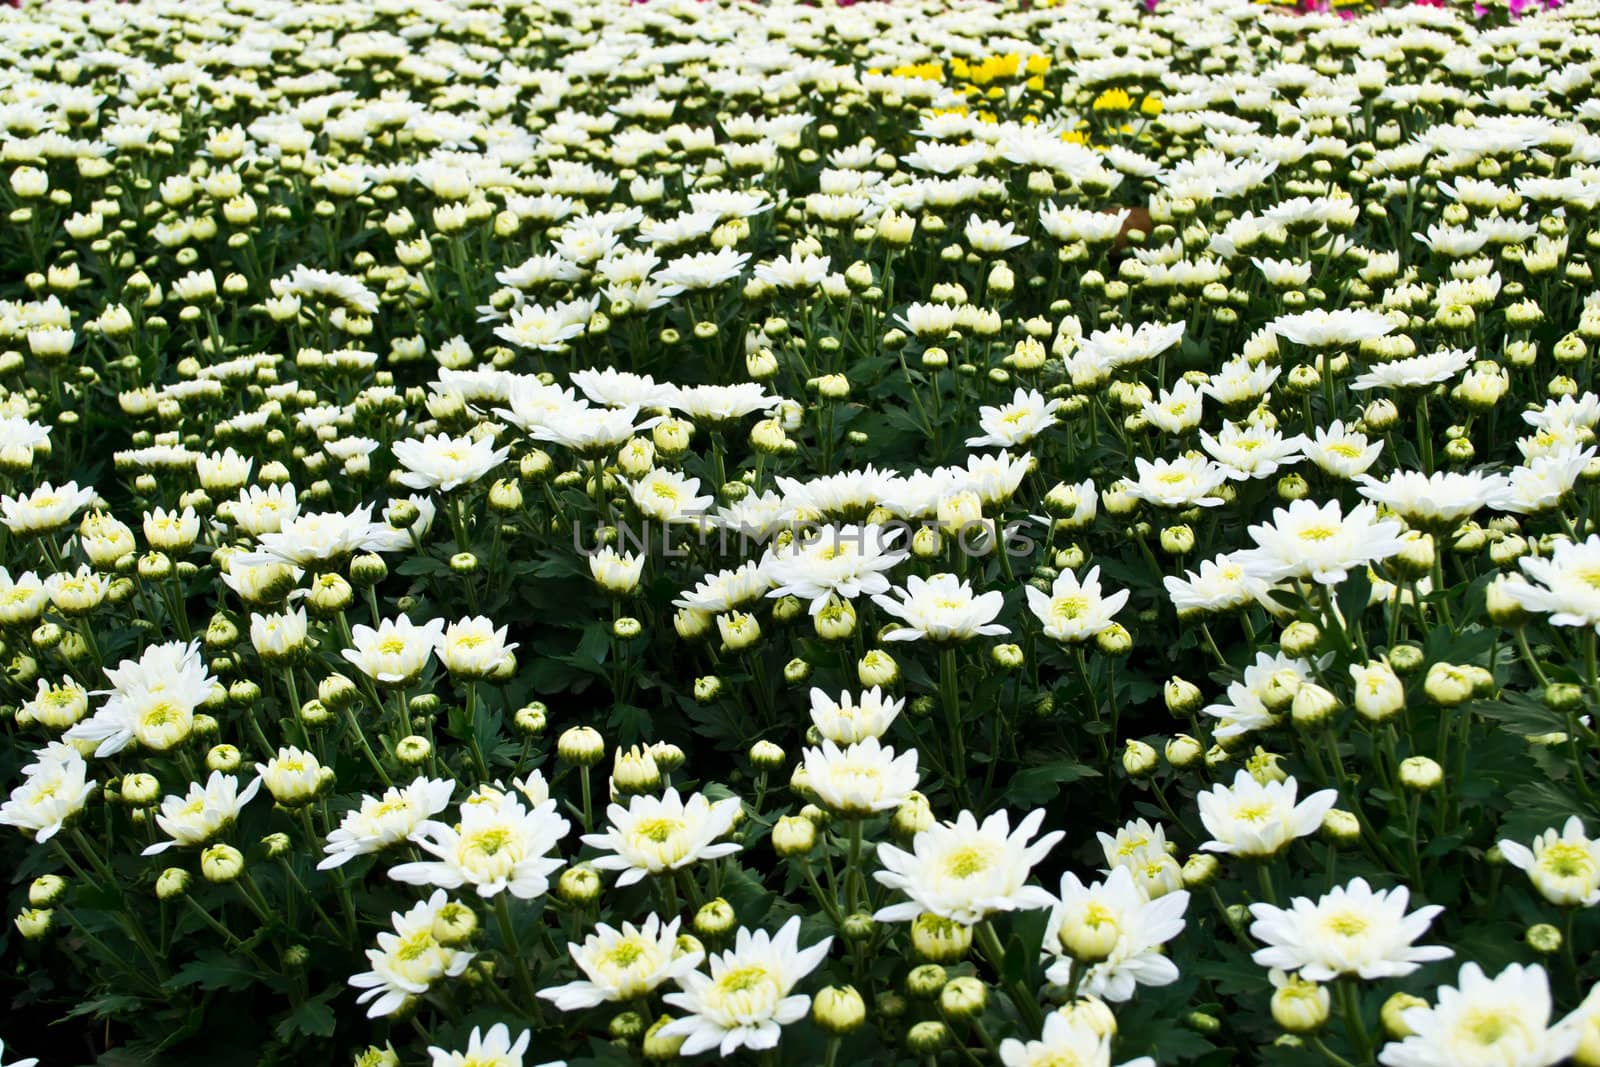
907,533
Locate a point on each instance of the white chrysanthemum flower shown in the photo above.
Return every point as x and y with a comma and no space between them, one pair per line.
613,388
616,572
56,707
1125,928
1351,930
152,701
862,778
794,271
727,590
749,995
383,821
1251,451
171,530
1141,847
1220,585
294,776
942,608
701,270
45,509
1341,452
1321,328
543,329
1065,1042
473,648
1502,1021
966,871
848,720
1416,372
1319,543
396,652
623,965
1564,866
1027,416
841,562
586,430
441,462
498,846
1125,345
1542,482
407,962
1440,499
721,403
989,236
488,1048
279,635
55,787
669,496
655,834
322,536
1565,586
1256,820
1176,410
1075,610
23,598
263,510
203,813
1188,481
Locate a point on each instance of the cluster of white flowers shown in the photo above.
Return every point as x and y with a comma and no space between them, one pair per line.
620,532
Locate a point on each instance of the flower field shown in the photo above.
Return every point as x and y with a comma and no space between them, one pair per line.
903,534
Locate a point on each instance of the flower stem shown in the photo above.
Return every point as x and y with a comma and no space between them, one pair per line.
1027,1004
508,932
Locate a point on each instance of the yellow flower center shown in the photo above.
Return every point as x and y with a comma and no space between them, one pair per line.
1566,860
966,862
659,830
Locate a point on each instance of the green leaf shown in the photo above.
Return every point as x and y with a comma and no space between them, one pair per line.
311,1017
596,644
1520,714
1039,785
215,969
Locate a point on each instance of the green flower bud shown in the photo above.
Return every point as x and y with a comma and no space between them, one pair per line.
925,1039
715,918
1543,939
940,940
34,923
579,885
858,926
1341,827
963,998
221,863
1393,1014
367,569
766,756
581,746
1299,1006
47,890
659,1047
1139,759
1199,870
1183,698
794,836
838,1009
626,1026
1420,774
1405,658
530,719
412,750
